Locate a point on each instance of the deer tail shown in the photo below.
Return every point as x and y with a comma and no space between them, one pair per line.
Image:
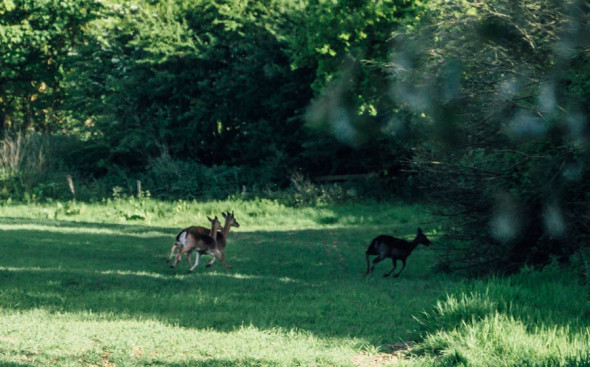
372,249
181,239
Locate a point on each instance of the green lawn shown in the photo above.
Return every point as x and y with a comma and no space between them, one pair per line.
88,285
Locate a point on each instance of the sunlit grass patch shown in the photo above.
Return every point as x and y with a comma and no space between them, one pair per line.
41,338
81,229
134,273
253,215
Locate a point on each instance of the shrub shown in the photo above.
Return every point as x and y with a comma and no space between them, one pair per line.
167,178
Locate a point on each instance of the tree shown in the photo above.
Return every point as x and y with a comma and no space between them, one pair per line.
201,80
343,42
36,40
498,87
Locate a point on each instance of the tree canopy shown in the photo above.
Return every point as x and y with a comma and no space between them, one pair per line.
479,106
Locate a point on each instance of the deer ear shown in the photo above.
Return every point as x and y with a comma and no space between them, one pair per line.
224,215
210,220
419,230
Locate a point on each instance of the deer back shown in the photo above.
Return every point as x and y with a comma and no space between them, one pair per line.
392,247
205,231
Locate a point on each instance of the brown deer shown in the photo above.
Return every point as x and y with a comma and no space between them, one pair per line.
397,249
230,221
206,243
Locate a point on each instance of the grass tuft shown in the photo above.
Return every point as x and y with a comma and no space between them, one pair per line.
534,318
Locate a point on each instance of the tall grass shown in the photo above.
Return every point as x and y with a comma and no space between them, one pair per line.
533,318
33,167
23,160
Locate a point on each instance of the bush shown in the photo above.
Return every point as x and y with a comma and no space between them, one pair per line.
171,179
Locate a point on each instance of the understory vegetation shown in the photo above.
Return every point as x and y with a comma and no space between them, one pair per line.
87,284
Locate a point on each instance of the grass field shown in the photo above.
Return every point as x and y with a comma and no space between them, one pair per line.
87,285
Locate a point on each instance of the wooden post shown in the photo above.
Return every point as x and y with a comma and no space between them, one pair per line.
71,185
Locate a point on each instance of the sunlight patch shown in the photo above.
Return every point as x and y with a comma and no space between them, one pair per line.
248,276
78,230
135,273
86,336
106,272
35,269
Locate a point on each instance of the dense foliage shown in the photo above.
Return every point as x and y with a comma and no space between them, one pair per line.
36,38
211,83
481,107
503,91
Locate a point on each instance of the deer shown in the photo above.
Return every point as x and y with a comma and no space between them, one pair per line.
230,221
385,246
205,243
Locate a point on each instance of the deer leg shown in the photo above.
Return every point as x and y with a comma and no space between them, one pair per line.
224,263
219,255
400,271
188,258
223,260
178,244
375,261
211,262
394,260
368,263
197,256
171,252
177,259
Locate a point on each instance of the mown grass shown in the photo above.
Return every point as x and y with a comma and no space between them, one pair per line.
87,284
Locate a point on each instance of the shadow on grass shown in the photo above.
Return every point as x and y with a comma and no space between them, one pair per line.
310,279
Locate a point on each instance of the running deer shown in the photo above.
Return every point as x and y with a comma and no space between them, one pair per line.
230,221
206,243
397,249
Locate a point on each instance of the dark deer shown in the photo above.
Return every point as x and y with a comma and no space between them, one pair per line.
397,249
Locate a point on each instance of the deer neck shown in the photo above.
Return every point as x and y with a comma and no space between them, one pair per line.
226,228
414,243
213,233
